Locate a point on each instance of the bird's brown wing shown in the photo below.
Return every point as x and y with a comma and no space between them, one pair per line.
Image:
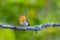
28,23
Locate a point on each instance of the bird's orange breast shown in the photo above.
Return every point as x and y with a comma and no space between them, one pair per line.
22,18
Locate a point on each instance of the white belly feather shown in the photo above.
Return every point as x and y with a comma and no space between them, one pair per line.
24,23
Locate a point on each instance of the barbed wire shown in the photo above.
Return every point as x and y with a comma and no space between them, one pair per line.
35,28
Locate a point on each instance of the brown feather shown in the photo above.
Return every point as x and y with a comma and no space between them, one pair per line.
28,23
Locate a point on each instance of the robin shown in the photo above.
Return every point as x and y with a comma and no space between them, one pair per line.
23,21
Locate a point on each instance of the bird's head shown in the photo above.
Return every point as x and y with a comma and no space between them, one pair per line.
22,18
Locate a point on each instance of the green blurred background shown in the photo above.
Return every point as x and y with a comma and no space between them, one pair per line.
37,12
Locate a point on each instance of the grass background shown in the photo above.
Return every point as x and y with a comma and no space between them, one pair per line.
37,12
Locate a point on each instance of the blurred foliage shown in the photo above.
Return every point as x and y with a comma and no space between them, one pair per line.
37,12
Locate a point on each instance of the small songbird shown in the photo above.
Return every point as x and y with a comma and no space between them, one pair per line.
23,21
